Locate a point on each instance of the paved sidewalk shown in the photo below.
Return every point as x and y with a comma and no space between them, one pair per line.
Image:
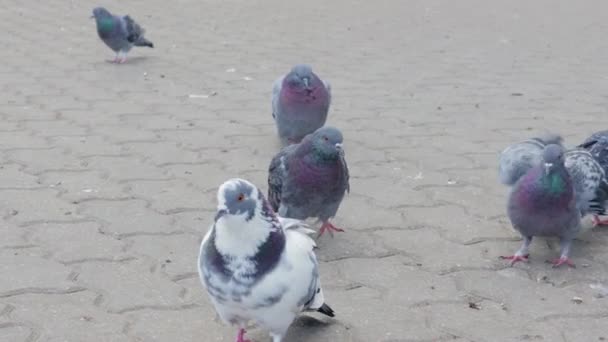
108,173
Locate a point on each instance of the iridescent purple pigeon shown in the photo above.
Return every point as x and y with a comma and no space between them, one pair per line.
300,102
552,190
119,33
310,179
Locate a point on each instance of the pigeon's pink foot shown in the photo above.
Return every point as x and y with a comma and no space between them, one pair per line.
326,226
241,336
515,258
562,261
597,221
122,60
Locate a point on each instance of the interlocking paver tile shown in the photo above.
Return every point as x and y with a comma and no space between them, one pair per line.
108,172
76,243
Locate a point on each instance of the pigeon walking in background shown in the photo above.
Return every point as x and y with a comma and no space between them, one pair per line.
597,146
257,266
552,190
119,33
310,179
300,102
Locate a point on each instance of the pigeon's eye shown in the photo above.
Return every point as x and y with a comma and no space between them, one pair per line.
326,138
240,198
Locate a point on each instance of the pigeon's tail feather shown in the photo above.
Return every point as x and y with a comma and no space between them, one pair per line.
143,42
598,204
326,310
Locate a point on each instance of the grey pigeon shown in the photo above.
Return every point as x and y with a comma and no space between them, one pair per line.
597,146
310,179
119,33
257,266
300,102
552,190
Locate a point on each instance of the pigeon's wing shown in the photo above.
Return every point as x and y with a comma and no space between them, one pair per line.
345,174
293,285
597,145
206,258
300,254
598,204
328,87
588,179
277,172
276,91
518,158
296,225
133,31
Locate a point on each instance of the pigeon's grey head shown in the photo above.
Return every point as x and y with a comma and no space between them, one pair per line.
326,142
301,79
100,12
237,200
553,157
242,222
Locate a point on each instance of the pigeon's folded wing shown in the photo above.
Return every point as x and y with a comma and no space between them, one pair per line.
277,172
276,91
328,87
345,173
295,225
588,179
597,145
133,30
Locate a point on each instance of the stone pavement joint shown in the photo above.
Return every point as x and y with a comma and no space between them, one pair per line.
108,172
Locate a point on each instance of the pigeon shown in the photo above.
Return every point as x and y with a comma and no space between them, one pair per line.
597,146
119,33
300,102
257,266
310,179
551,190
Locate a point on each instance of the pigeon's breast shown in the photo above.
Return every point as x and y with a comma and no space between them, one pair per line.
230,279
319,176
537,209
294,102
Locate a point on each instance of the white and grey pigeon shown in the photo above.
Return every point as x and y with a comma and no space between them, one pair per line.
300,103
551,190
119,33
257,266
310,179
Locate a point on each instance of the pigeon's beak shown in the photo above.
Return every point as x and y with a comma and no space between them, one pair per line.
220,213
548,167
339,146
307,86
